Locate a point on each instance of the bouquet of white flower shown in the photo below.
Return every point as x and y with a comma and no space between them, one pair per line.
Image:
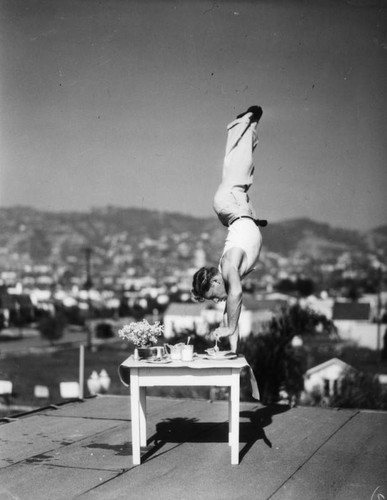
142,333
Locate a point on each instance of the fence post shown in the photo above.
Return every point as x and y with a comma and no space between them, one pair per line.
81,369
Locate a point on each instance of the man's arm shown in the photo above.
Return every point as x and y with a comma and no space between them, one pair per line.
234,297
230,273
233,339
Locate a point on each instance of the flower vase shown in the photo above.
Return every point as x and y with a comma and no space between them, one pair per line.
147,352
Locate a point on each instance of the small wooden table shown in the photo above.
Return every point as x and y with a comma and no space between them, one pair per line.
199,372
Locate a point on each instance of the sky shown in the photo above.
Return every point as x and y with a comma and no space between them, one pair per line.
126,103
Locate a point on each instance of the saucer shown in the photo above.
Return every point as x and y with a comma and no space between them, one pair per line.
220,355
159,361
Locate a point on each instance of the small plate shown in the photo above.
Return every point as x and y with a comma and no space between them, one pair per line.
222,358
158,361
220,355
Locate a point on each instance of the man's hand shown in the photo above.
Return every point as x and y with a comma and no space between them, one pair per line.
222,331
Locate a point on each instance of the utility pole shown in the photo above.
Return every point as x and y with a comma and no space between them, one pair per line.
88,284
378,315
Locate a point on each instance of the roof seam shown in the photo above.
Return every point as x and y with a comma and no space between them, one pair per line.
312,455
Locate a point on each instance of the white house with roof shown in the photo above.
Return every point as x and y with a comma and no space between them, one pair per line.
353,323
326,377
319,305
180,317
183,316
259,311
201,317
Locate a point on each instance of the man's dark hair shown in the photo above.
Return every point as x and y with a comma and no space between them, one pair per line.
202,281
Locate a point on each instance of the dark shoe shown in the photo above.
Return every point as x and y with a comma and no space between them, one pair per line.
260,222
256,113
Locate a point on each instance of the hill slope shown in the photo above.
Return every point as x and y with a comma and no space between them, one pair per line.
58,234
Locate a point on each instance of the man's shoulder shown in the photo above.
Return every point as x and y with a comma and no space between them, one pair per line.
232,260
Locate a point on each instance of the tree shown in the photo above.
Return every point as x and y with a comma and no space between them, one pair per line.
201,342
275,362
360,390
52,327
285,286
302,286
305,287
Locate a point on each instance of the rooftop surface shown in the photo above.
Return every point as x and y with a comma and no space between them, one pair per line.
82,449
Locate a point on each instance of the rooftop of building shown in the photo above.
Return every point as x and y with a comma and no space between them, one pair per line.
82,449
351,311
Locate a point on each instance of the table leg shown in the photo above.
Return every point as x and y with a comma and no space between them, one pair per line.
135,414
142,416
229,418
234,397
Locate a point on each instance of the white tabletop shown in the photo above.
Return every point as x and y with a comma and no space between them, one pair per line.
200,361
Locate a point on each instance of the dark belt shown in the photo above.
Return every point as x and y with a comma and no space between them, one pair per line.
258,222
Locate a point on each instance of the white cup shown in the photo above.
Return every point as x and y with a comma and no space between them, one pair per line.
176,354
187,353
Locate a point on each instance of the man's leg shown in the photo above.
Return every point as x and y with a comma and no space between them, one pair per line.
231,199
241,141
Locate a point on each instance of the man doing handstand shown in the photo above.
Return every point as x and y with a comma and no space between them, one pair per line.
234,210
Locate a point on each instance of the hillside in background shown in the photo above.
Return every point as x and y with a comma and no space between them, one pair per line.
54,237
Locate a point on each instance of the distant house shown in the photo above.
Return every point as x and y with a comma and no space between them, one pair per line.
319,305
15,309
353,323
201,317
383,380
257,312
6,305
373,299
326,377
351,311
183,316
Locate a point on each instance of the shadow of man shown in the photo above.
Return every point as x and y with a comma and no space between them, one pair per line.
254,431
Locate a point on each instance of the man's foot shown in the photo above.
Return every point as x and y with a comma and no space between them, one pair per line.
256,113
260,222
